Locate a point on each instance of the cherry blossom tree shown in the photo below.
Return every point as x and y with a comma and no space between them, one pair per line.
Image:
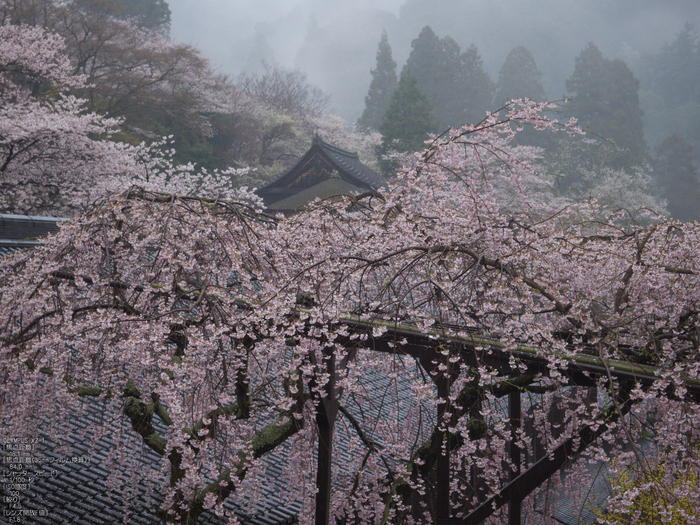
335,130
141,75
154,86
285,108
134,72
218,332
580,170
57,156
50,158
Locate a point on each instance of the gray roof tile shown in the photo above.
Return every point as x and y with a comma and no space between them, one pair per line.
20,232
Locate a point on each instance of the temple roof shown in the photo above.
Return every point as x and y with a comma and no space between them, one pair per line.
324,171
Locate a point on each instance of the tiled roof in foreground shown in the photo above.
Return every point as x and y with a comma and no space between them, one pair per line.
76,492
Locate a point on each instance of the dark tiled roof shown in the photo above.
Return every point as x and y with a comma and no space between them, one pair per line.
76,492
18,232
567,512
350,164
321,163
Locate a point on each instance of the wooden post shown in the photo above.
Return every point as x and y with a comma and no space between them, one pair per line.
325,420
442,381
442,499
533,477
323,473
514,413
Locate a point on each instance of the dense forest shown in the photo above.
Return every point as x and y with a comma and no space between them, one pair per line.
443,86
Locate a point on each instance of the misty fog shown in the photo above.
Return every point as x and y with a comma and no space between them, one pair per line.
335,42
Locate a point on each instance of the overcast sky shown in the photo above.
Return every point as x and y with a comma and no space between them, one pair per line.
212,25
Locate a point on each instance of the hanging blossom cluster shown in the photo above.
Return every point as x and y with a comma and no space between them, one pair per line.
213,334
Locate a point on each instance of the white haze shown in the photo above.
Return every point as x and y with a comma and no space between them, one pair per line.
216,26
334,42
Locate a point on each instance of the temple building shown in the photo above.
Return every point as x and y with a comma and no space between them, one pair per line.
324,171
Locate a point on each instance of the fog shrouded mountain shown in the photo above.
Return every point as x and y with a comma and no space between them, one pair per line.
335,42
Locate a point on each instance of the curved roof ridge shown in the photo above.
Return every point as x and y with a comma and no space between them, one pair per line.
336,149
348,165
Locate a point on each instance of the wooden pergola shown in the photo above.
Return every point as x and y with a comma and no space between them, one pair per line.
423,347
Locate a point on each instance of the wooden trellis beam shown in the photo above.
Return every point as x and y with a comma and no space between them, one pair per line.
541,471
423,345
403,339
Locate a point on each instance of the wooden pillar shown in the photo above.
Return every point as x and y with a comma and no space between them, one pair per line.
514,414
442,380
323,473
326,414
442,499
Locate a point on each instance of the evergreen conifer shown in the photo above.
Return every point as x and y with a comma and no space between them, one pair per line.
406,123
607,101
381,87
519,77
670,82
454,81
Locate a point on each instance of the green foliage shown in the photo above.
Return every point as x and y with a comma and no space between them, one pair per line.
381,87
424,64
674,73
406,123
671,90
678,178
135,73
607,101
454,80
476,86
654,503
